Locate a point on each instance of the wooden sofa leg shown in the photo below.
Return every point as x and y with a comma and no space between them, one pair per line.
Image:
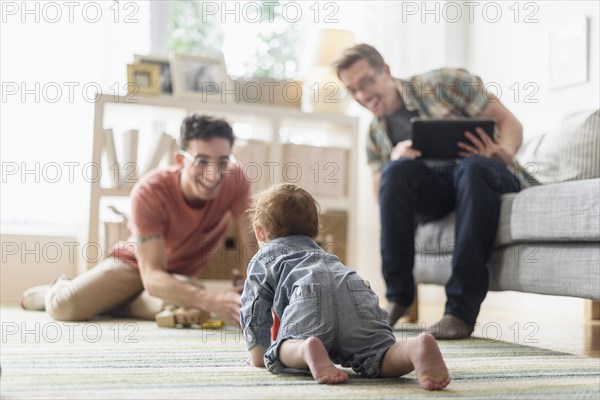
592,310
592,328
413,313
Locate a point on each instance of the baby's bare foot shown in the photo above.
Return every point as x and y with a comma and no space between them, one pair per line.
429,364
319,363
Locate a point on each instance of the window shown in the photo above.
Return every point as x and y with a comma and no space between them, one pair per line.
254,37
55,69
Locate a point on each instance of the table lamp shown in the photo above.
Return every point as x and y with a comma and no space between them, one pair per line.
321,90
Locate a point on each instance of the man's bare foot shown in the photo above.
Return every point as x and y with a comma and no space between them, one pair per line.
319,363
429,364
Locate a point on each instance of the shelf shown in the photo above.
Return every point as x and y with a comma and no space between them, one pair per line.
117,192
267,110
329,203
268,137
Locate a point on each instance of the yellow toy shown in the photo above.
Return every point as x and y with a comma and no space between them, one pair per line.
172,317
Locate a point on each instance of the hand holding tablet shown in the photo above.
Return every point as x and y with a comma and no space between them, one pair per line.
439,138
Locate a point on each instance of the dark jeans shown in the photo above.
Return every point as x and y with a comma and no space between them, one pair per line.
411,192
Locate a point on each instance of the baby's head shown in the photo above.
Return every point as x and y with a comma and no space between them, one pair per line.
284,210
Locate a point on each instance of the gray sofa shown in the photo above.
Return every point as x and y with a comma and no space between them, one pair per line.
548,242
548,238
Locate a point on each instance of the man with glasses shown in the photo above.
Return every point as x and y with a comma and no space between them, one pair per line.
179,217
412,190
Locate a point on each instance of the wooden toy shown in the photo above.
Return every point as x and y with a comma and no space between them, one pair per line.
181,317
172,317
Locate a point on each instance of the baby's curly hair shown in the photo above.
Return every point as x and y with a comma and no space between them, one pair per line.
284,210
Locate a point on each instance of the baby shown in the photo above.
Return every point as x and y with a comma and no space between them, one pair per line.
328,314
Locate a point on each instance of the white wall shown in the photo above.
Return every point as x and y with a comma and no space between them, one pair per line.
55,57
50,52
509,53
29,260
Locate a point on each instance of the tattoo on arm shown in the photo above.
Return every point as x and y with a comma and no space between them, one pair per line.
142,239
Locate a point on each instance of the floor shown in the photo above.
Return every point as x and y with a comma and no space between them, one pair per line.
575,336
515,322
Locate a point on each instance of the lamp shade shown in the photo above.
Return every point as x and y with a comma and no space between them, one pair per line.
329,45
322,91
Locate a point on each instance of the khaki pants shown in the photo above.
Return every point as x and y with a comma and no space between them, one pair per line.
111,287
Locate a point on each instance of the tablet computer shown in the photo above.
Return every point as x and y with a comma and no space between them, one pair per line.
438,138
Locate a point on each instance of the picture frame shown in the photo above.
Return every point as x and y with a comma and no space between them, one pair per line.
569,53
201,78
143,79
164,63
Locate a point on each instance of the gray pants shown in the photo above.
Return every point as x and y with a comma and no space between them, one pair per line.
346,316
111,287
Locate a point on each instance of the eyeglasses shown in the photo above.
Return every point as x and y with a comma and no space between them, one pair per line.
364,84
206,163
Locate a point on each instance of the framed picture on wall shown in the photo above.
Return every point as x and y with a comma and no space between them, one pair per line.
568,49
204,78
143,79
164,64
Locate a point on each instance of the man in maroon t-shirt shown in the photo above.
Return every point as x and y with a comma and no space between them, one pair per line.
179,217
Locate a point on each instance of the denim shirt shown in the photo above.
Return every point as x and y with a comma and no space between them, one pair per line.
274,273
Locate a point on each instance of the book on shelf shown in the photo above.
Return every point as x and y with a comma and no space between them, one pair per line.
162,149
129,166
334,171
108,146
114,232
319,170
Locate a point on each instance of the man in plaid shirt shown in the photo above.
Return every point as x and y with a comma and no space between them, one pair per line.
413,190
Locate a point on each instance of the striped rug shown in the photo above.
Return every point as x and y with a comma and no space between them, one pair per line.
123,359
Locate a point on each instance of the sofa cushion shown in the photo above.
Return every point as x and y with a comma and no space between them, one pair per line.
563,212
437,237
563,269
567,212
570,152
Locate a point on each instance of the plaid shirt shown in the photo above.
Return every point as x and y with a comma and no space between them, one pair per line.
441,93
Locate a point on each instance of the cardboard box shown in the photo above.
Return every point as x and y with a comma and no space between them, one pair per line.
334,233
227,258
318,170
332,237
252,155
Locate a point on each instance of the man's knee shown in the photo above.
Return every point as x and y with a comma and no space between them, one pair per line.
63,303
401,171
476,170
65,310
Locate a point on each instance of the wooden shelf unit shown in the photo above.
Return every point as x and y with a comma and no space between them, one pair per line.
276,126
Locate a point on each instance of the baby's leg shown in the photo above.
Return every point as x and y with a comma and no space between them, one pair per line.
311,353
421,354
